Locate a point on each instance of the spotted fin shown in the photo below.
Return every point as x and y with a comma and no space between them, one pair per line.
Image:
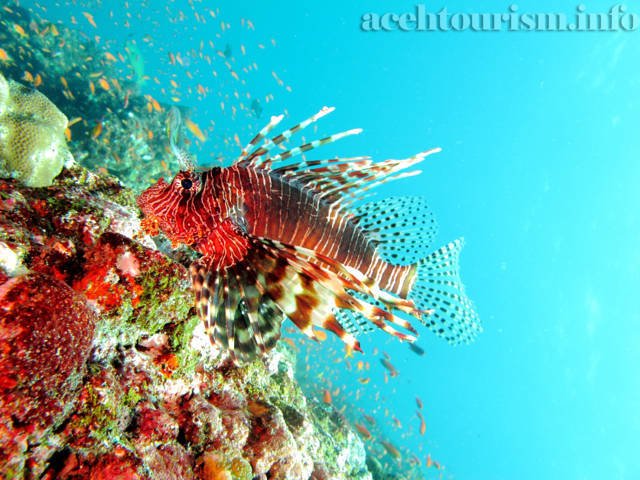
354,322
403,228
439,289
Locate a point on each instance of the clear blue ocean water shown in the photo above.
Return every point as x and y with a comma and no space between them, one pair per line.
539,172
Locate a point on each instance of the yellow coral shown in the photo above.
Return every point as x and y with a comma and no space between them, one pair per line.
214,468
32,143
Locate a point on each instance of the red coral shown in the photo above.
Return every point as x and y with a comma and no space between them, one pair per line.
110,272
46,331
153,424
116,467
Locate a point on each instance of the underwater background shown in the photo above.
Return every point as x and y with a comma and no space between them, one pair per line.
539,173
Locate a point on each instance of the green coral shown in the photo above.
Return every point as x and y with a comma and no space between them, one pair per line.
188,357
32,144
107,409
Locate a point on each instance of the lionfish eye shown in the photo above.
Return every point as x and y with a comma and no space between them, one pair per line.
186,183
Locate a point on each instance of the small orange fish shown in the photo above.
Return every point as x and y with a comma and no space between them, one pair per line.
370,419
419,403
387,364
326,396
20,30
28,77
109,56
291,343
4,56
37,81
73,121
54,30
391,449
195,129
64,82
97,130
397,422
90,19
92,88
364,431
150,134
104,84
364,380
423,424
432,463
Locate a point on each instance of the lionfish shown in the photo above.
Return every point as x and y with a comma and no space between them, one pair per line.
294,239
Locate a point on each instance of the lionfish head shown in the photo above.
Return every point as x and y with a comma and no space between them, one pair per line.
169,207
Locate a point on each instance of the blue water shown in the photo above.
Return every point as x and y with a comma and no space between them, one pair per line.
539,172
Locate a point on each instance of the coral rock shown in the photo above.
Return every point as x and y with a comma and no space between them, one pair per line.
32,143
45,337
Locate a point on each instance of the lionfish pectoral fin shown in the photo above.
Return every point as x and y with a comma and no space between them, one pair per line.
439,292
318,291
236,315
300,290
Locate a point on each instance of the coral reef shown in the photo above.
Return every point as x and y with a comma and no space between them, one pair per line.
144,394
32,143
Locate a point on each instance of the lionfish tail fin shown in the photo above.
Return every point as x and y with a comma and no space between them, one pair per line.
438,291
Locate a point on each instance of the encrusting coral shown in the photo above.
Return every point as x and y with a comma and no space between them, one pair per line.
116,377
32,143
